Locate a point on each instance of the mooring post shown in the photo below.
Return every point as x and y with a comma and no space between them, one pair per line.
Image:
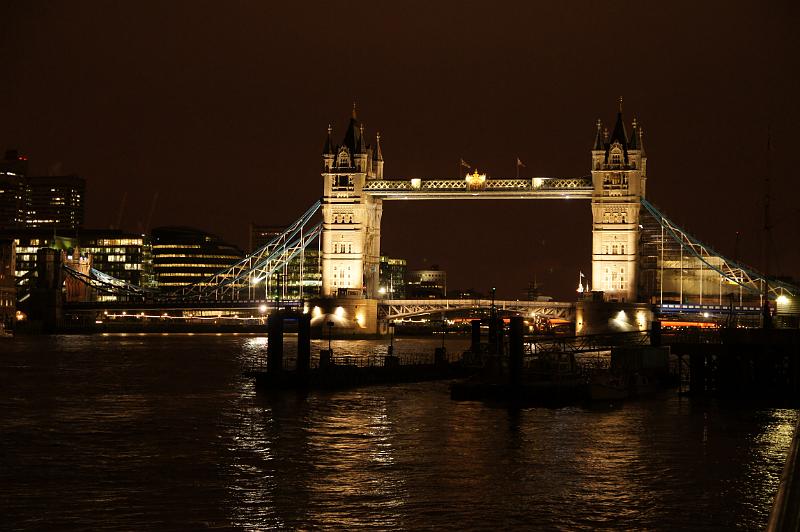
275,342
475,346
493,335
655,333
326,355
501,333
303,344
515,350
697,374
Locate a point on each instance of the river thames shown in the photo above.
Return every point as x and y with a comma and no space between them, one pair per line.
132,432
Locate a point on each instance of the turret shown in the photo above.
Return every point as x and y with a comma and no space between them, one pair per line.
377,158
360,154
328,154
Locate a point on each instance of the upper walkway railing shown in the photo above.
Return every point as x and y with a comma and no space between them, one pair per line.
537,187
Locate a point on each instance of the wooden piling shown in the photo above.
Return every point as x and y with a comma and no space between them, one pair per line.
515,350
275,343
303,344
475,345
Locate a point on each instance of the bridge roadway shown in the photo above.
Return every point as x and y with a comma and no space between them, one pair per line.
390,308
405,308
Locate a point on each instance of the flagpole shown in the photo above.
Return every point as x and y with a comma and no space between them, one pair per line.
517,167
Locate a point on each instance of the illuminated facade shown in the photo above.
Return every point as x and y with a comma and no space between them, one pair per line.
183,256
125,256
8,293
392,278
619,175
351,234
423,284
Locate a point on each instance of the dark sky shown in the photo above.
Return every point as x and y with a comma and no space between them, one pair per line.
222,109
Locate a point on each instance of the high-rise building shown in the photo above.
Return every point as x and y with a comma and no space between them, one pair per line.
392,278
55,201
13,168
184,256
260,235
50,201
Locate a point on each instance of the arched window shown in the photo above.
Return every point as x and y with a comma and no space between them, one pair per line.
343,160
614,249
622,252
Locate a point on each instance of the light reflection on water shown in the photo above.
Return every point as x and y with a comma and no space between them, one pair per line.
152,431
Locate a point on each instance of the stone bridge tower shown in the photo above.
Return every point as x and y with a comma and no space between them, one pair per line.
619,176
351,234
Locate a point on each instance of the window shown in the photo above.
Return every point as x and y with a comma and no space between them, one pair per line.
614,249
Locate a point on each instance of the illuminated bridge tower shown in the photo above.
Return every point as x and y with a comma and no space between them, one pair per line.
351,235
619,175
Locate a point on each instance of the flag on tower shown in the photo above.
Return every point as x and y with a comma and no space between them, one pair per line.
465,164
520,163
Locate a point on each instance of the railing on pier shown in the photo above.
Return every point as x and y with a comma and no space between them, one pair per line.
341,358
785,513
584,344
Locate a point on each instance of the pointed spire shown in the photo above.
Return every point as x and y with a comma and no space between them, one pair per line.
352,135
328,148
378,152
362,145
619,134
641,140
634,145
598,137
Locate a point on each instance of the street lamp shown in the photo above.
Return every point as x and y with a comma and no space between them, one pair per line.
330,334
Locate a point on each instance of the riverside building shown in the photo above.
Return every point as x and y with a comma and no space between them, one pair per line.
184,256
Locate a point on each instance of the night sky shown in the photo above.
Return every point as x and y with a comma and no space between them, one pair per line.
221,108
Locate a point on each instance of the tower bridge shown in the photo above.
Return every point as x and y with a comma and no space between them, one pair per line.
638,254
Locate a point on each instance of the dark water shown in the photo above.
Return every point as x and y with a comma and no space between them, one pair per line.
155,432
